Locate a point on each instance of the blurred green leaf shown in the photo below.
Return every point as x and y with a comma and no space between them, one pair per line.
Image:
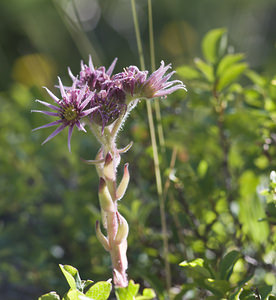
99,291
187,72
206,69
230,75
256,78
211,44
227,61
148,294
227,264
72,276
196,268
202,168
217,287
264,291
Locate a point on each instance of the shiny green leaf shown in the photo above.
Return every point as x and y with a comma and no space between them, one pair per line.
99,291
75,295
227,264
72,276
127,293
50,296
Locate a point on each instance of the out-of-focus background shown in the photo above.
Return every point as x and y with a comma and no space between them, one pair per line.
48,197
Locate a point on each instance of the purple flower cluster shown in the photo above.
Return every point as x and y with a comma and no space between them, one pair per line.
98,97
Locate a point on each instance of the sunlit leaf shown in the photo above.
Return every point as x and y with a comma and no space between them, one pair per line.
227,61
202,168
72,276
256,78
211,44
148,294
50,296
74,294
99,291
227,264
187,72
197,268
206,69
230,75
127,293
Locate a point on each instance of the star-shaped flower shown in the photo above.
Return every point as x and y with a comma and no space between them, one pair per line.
70,109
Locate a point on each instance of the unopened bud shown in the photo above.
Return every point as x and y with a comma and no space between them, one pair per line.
123,184
105,197
102,239
122,231
108,170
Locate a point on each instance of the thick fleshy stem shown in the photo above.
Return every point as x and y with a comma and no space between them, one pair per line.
116,226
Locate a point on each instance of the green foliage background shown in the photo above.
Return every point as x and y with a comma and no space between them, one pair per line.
48,197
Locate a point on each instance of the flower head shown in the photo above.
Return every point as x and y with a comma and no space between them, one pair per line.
158,85
131,80
111,104
70,109
94,78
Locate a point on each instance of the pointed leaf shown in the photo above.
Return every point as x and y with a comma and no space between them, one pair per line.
256,78
99,291
227,264
230,75
227,61
206,69
211,44
50,296
72,276
187,72
127,293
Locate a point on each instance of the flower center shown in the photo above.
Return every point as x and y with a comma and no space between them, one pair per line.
70,113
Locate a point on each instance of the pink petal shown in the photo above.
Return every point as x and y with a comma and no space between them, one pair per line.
58,130
90,63
169,91
88,111
82,65
49,105
49,113
86,101
54,97
48,125
62,91
80,126
70,130
81,94
112,66
71,74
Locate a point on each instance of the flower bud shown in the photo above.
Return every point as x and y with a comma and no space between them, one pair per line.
122,231
123,184
105,198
